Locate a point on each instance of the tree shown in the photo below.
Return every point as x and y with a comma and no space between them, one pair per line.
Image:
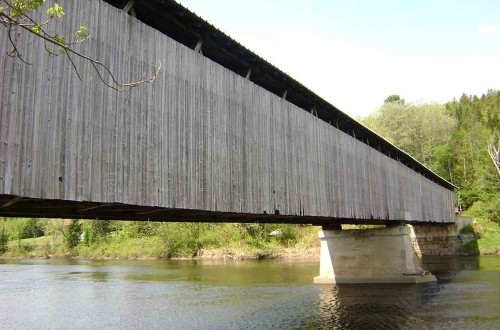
55,228
417,129
394,99
33,228
72,233
473,145
4,240
95,230
494,151
18,16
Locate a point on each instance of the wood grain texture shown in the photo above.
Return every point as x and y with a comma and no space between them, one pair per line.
201,137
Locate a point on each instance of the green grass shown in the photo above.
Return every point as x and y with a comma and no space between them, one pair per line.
122,248
488,233
38,241
37,247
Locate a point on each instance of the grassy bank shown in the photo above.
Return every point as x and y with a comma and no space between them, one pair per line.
97,239
93,239
488,235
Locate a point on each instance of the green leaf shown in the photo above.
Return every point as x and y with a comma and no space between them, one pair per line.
81,34
59,11
59,38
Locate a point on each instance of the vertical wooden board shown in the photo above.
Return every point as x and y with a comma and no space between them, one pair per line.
12,147
19,166
26,127
5,92
13,139
295,161
162,92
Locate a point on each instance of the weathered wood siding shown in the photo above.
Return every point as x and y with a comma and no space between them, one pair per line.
200,137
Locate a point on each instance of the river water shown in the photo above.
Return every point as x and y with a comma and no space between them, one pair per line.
270,294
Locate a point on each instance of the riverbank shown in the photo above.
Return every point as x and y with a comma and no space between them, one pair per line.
125,240
487,234
286,242
286,253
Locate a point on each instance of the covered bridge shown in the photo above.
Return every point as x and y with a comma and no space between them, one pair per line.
221,135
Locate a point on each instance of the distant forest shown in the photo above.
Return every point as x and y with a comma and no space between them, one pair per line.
459,140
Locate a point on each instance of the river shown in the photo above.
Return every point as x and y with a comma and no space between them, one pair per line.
269,294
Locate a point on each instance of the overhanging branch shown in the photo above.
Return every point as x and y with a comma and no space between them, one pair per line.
18,18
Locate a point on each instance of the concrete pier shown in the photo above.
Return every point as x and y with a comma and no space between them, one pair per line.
382,255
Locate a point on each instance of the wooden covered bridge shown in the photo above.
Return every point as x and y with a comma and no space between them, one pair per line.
221,135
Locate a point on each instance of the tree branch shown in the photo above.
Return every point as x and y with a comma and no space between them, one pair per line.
15,51
10,21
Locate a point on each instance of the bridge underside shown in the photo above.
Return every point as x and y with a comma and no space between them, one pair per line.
14,206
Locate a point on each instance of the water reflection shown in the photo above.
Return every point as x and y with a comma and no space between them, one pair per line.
372,306
445,268
101,276
227,273
415,306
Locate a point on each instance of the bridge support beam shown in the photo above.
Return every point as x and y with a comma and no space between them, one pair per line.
382,255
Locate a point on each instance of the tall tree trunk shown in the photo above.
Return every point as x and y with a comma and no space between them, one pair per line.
494,152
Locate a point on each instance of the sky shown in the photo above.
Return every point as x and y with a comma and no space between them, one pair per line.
356,53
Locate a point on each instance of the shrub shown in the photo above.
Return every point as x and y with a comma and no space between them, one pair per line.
288,235
4,239
72,233
488,209
96,230
477,210
33,228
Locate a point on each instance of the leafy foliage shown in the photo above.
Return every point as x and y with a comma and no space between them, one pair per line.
95,230
474,172
4,239
20,228
420,130
394,98
72,233
33,228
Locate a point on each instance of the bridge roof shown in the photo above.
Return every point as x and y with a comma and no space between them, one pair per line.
184,26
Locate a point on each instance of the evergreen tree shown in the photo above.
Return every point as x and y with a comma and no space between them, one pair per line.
4,240
72,233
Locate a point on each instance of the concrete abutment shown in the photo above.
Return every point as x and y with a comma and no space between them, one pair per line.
381,255
443,239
